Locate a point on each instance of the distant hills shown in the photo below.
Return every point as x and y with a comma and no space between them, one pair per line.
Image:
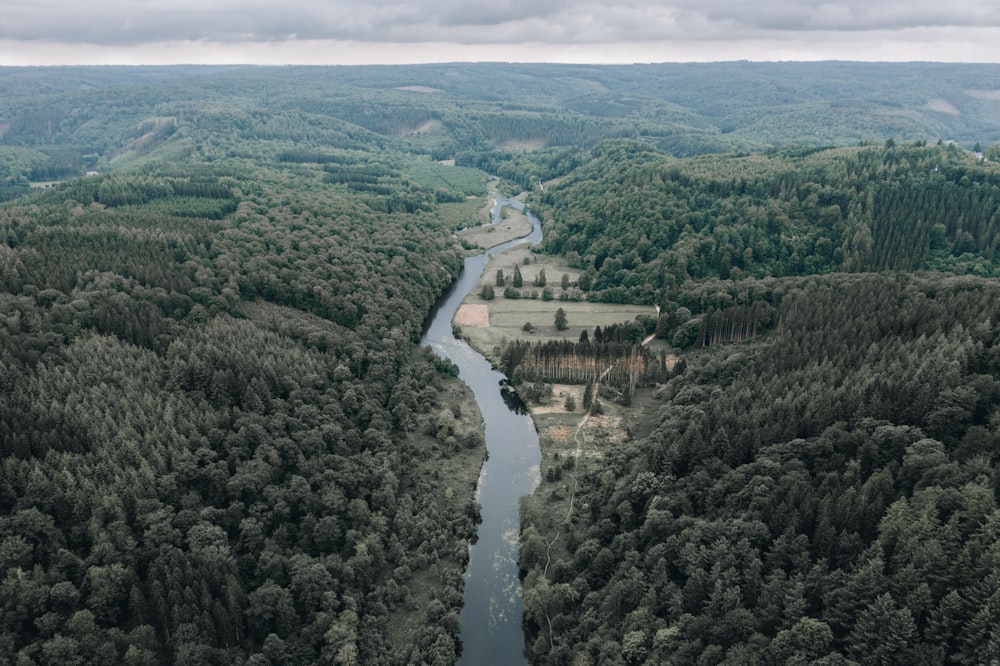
684,109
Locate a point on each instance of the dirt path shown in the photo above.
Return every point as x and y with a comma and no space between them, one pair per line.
578,440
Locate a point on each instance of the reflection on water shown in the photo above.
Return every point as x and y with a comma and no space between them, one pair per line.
512,398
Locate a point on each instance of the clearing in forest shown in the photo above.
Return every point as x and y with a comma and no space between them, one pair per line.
507,316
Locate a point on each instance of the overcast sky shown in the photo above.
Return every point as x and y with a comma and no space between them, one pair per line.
48,32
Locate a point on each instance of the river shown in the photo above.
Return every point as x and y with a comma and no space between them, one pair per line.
492,632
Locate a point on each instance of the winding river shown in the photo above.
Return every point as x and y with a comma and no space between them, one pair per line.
491,617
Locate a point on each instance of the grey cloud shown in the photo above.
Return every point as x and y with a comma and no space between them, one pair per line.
497,21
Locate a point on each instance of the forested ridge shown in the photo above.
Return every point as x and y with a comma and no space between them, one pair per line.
818,482
219,440
642,224
826,494
525,123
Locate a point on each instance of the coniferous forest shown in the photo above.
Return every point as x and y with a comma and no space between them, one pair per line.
819,483
222,443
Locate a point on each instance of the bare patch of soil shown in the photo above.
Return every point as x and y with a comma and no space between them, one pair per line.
424,128
993,95
473,314
525,146
561,433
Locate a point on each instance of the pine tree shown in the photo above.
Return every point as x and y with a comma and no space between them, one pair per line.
501,282
518,281
883,632
561,324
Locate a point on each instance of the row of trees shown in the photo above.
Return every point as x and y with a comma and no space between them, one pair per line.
621,364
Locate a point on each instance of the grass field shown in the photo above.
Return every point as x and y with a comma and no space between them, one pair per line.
508,316
514,225
466,214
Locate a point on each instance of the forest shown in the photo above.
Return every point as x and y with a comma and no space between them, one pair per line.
826,493
222,443
819,481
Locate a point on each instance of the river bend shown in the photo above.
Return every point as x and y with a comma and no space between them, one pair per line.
492,632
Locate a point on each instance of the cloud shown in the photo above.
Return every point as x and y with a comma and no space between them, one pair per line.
377,31
497,21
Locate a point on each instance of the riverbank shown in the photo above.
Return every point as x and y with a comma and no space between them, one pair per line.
514,224
502,220
456,453
492,611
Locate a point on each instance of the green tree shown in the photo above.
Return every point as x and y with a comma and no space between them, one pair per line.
883,633
518,281
560,320
805,642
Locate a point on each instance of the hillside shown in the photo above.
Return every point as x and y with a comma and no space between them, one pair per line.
819,482
221,442
489,115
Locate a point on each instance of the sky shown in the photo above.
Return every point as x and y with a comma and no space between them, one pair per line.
331,32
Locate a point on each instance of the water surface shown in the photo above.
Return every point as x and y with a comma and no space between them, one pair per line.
491,617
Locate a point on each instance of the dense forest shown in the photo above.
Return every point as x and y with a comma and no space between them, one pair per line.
642,224
221,442
819,484
824,494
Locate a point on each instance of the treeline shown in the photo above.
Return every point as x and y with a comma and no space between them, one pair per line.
219,440
641,224
823,494
527,171
622,365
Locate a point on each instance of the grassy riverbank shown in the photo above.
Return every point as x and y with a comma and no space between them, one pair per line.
488,324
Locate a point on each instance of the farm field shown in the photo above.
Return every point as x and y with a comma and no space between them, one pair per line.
505,318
